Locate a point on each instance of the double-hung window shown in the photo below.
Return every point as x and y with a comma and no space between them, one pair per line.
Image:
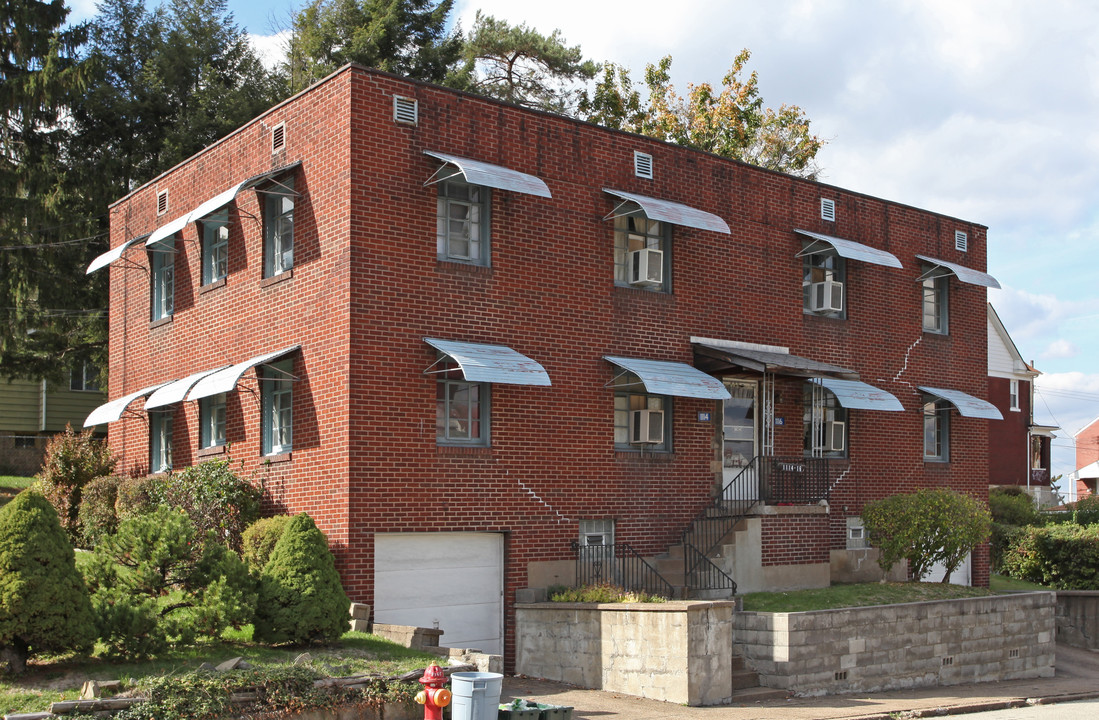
936,431
1013,394
278,227
162,259
824,423
935,291
211,413
823,284
462,222
461,407
641,421
84,377
215,247
160,442
278,408
642,253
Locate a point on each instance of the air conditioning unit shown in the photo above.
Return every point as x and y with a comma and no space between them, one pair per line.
826,296
835,436
647,426
223,232
646,267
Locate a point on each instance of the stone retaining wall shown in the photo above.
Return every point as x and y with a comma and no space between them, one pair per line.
1078,618
946,642
679,652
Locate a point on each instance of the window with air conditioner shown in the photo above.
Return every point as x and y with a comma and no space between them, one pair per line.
824,423
642,253
215,247
462,222
823,283
641,421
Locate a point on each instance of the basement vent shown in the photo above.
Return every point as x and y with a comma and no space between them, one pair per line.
278,137
1013,653
947,661
841,675
162,202
405,110
961,241
827,209
643,165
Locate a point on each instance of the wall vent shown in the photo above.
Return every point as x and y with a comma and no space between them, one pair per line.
278,137
1013,653
827,209
947,661
841,675
961,241
643,165
162,202
405,110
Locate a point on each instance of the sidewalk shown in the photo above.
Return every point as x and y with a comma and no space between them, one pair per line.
1077,678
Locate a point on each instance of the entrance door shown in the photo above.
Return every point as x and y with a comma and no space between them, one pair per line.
740,440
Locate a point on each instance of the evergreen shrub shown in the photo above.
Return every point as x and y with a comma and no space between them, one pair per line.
215,498
259,540
1012,506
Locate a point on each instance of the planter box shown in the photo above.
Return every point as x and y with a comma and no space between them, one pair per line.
537,712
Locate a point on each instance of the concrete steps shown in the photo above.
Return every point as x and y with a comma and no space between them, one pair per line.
746,687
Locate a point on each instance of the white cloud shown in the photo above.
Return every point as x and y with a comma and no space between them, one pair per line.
271,48
1060,348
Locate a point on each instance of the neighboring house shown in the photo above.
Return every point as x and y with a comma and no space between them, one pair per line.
32,411
1087,460
1019,449
489,348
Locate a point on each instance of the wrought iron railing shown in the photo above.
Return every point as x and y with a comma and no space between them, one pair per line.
621,565
766,480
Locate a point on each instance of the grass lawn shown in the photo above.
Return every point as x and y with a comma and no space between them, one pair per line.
50,679
1003,583
857,595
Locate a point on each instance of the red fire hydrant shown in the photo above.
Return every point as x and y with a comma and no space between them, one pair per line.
434,697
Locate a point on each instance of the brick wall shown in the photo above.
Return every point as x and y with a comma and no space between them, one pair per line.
1008,447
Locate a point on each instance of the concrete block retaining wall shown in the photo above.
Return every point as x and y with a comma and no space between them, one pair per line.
946,642
679,652
1078,618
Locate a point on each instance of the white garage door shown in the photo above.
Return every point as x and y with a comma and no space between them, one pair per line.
453,581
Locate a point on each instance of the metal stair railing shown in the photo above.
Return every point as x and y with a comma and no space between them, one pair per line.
766,479
620,565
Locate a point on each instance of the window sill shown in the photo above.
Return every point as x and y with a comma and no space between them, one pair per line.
463,449
277,458
154,324
215,285
644,456
276,279
630,291
462,268
212,450
822,316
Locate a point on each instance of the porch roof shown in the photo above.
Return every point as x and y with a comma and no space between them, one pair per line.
716,355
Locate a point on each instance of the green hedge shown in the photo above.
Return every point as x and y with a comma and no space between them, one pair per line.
1063,557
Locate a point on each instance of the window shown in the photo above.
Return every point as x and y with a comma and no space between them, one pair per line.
25,441
641,421
461,407
936,432
824,423
823,284
160,442
278,408
1013,394
935,304
462,222
215,247
278,228
856,534
642,253
84,377
211,416
162,259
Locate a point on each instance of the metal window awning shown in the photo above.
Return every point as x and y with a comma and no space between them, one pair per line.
847,249
662,377
491,363
965,404
1045,430
857,395
226,379
166,231
112,411
668,211
493,176
966,275
113,254
176,390
724,356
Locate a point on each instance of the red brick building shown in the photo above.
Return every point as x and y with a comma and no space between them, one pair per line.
472,337
1086,476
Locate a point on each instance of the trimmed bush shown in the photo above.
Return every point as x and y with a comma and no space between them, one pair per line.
1012,506
72,461
1085,511
928,526
1063,557
301,599
259,540
43,602
137,496
215,498
97,509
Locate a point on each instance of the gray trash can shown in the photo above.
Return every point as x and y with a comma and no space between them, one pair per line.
476,695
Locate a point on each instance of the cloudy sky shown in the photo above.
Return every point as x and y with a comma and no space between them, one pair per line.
981,109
